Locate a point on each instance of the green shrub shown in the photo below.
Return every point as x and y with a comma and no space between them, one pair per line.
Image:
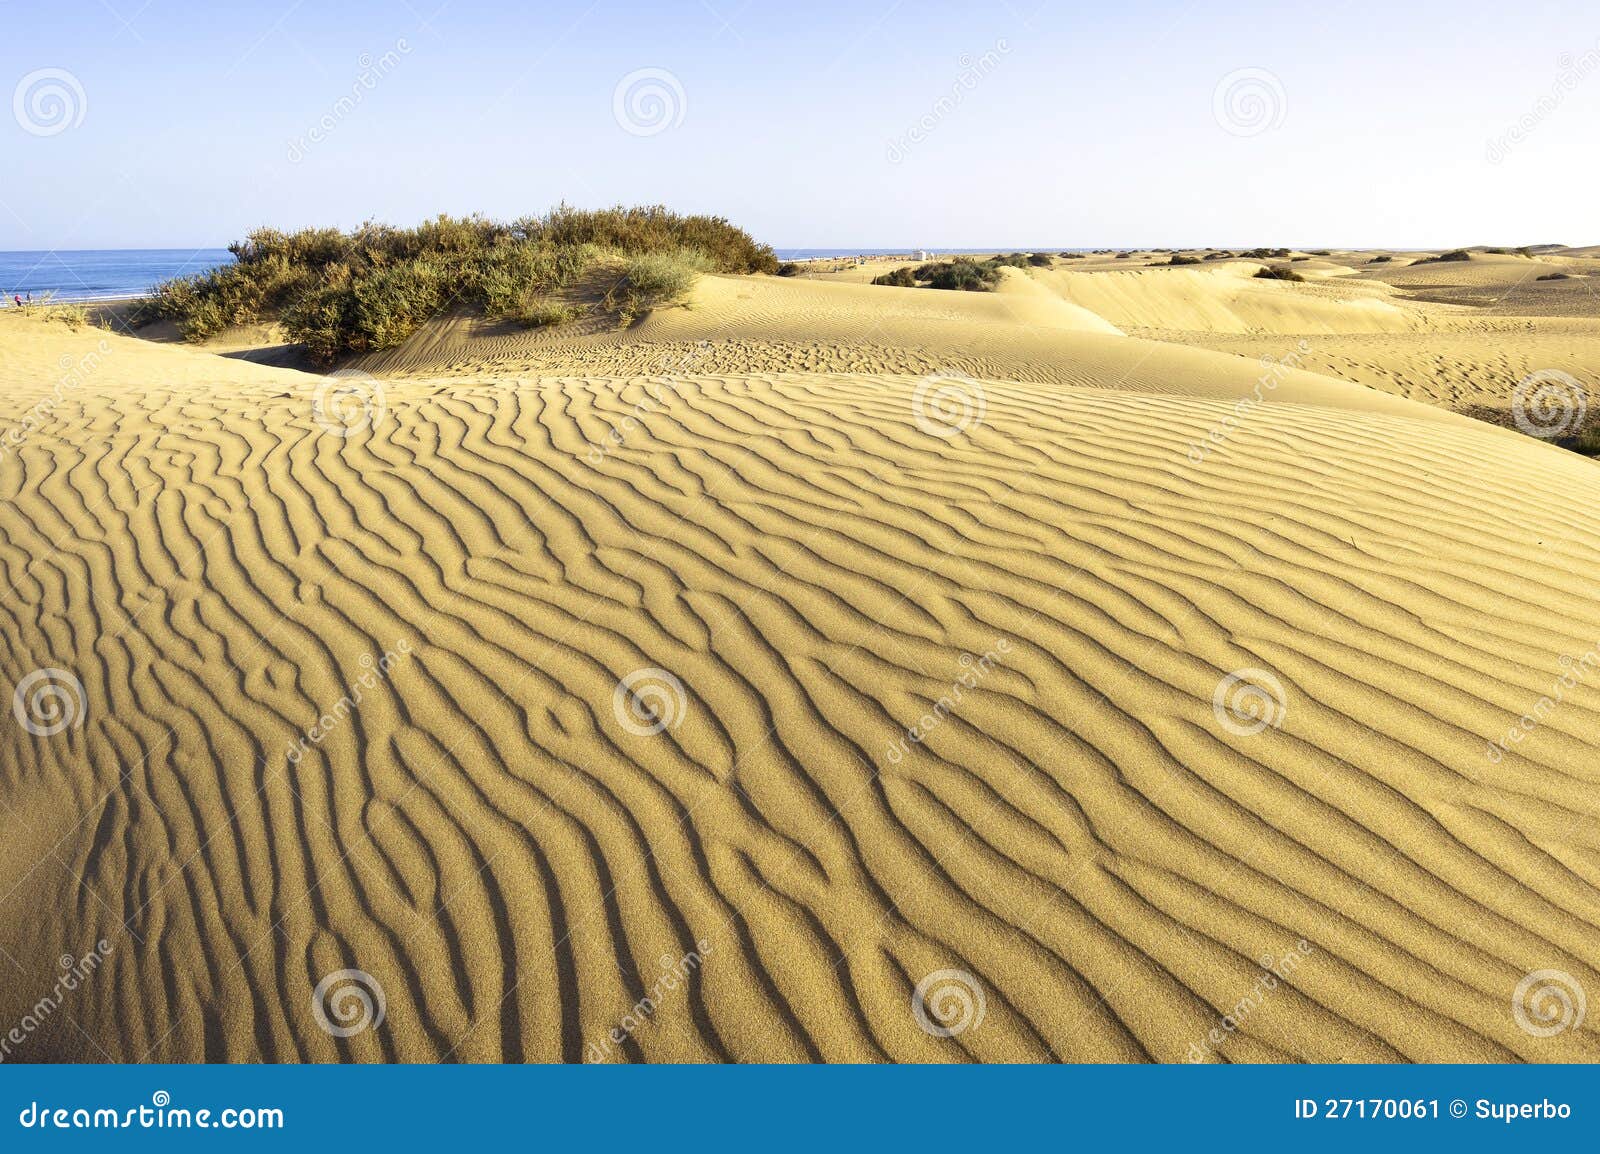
1039,260
1179,258
1456,255
899,278
1384,259
789,268
343,293
654,279
1278,272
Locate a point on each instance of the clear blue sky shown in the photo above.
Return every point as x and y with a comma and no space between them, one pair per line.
1098,124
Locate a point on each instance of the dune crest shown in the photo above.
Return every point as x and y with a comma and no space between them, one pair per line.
744,715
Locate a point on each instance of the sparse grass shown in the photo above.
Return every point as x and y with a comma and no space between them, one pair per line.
1278,272
656,279
341,293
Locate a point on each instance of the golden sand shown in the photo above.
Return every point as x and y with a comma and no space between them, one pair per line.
718,684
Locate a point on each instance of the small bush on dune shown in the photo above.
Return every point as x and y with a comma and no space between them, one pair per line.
1266,254
789,268
1556,276
1385,259
343,293
1179,258
899,278
1278,272
1454,255
1039,260
654,279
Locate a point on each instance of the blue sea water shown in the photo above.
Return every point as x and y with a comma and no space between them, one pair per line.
101,274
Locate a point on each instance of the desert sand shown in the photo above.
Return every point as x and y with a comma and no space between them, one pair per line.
1141,654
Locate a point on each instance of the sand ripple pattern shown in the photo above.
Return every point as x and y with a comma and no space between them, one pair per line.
434,614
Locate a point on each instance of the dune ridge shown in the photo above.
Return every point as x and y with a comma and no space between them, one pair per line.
799,568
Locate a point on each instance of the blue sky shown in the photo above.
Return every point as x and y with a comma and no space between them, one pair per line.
1379,123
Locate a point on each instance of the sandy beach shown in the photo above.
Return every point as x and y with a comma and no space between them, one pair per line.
1133,663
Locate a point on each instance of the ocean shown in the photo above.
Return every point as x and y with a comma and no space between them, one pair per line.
101,274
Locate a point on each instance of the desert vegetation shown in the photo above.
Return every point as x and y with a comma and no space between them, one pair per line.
1278,272
343,293
960,273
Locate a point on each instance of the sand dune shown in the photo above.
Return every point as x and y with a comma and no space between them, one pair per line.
926,679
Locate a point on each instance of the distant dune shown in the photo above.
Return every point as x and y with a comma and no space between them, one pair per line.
822,671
